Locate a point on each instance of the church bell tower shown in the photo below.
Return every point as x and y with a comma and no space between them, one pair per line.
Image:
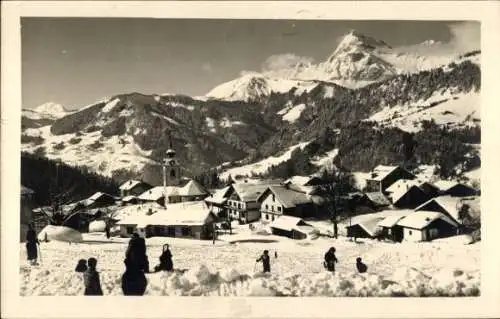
171,168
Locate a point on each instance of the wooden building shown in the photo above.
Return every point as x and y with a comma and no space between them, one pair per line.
426,226
133,188
217,202
364,229
243,204
292,227
383,176
406,194
454,188
278,201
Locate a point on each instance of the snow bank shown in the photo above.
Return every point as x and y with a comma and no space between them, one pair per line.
97,226
201,281
60,233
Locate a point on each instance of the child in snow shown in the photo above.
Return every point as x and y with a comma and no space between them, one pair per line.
330,259
31,244
81,266
134,281
136,252
360,265
91,279
265,261
165,260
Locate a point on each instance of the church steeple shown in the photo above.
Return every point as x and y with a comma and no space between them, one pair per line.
171,169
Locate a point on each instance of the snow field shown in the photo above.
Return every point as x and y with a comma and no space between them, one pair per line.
203,269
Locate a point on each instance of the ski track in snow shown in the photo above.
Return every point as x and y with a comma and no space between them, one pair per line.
228,269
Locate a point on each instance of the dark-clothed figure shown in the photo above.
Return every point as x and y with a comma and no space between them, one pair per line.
31,244
134,281
91,279
81,266
166,263
330,259
136,253
266,265
275,254
361,266
108,231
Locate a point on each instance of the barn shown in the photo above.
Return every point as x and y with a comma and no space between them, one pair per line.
292,227
447,205
454,188
426,226
389,228
364,229
383,176
407,194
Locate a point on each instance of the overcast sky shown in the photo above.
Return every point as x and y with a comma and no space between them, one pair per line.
76,61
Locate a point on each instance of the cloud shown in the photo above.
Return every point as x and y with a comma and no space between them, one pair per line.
207,67
466,36
284,61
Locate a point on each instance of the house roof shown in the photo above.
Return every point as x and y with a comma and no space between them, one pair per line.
25,190
287,197
421,219
192,188
153,194
378,198
381,171
287,223
219,197
449,203
398,194
447,185
128,185
249,192
128,198
370,225
390,221
187,213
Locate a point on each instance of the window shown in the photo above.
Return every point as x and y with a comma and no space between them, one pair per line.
267,216
172,173
272,208
410,232
186,231
274,198
240,206
272,218
130,230
267,207
279,208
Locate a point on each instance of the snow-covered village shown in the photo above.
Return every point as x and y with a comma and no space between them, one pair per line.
356,176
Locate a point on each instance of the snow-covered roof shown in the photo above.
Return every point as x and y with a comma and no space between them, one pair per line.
187,213
390,221
378,198
26,191
219,197
449,203
370,225
287,197
128,185
447,185
153,194
192,188
249,192
287,223
381,171
98,195
128,198
299,180
421,219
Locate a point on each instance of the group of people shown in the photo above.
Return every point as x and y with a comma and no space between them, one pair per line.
329,262
133,281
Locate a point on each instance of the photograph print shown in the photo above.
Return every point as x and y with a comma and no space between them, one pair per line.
239,157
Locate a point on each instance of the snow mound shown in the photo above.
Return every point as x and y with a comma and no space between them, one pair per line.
97,226
60,233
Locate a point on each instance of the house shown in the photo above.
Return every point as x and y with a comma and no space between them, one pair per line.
406,193
242,204
191,191
292,227
27,205
279,200
133,188
447,205
389,227
454,188
97,200
217,201
375,200
180,220
426,226
364,229
130,200
305,184
155,194
383,176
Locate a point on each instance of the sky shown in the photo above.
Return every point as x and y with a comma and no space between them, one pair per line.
77,61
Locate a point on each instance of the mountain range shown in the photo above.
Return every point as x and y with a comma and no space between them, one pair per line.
265,117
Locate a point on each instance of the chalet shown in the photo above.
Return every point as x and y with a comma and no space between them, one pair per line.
375,200
448,205
155,194
383,176
217,201
389,228
98,200
406,193
454,188
181,220
305,184
242,204
364,229
292,227
426,226
133,188
278,200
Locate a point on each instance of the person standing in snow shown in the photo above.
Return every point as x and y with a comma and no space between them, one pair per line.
91,279
330,259
108,232
266,265
134,281
31,245
136,252
362,268
166,263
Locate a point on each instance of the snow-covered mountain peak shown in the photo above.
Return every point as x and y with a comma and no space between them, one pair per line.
49,110
356,41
